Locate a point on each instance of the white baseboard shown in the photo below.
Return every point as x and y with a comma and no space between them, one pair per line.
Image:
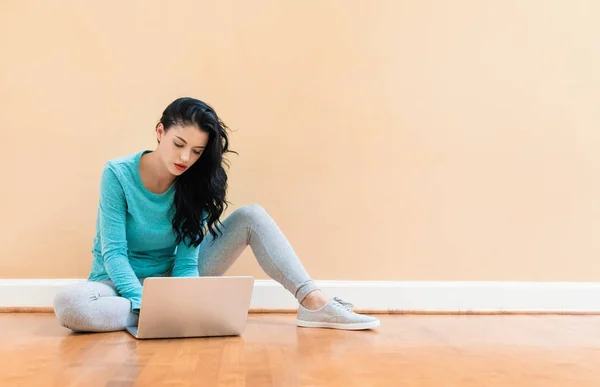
384,296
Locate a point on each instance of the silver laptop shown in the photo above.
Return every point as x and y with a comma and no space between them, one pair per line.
174,307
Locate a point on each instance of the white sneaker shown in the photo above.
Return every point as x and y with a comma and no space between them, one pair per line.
336,314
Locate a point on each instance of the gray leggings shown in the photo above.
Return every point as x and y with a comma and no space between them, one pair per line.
97,307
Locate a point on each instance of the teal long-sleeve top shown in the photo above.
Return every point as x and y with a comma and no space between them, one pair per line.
134,235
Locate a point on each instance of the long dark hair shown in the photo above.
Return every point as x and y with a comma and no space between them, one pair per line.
200,191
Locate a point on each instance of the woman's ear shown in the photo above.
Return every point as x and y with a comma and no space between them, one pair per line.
160,131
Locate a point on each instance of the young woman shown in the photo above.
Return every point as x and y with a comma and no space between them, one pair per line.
159,215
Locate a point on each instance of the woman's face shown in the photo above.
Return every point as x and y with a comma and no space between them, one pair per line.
180,147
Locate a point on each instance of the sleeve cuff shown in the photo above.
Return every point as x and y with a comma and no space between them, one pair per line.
136,306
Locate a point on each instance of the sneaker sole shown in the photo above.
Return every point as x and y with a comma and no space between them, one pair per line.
345,326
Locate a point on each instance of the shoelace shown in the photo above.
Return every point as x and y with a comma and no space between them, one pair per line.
343,303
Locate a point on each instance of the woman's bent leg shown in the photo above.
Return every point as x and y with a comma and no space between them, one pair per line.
93,307
252,226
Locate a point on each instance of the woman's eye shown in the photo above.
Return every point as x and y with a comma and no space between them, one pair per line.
178,145
197,152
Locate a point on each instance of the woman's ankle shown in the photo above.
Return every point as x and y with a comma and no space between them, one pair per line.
315,300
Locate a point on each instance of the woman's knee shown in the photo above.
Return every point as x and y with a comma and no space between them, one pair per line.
251,212
93,307
70,306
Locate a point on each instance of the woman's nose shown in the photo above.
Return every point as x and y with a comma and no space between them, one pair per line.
185,156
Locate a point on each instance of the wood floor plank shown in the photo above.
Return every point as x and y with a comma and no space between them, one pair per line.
421,351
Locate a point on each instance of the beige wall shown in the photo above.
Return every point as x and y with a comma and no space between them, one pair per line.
400,140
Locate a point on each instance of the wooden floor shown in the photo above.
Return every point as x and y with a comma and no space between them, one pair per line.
439,351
